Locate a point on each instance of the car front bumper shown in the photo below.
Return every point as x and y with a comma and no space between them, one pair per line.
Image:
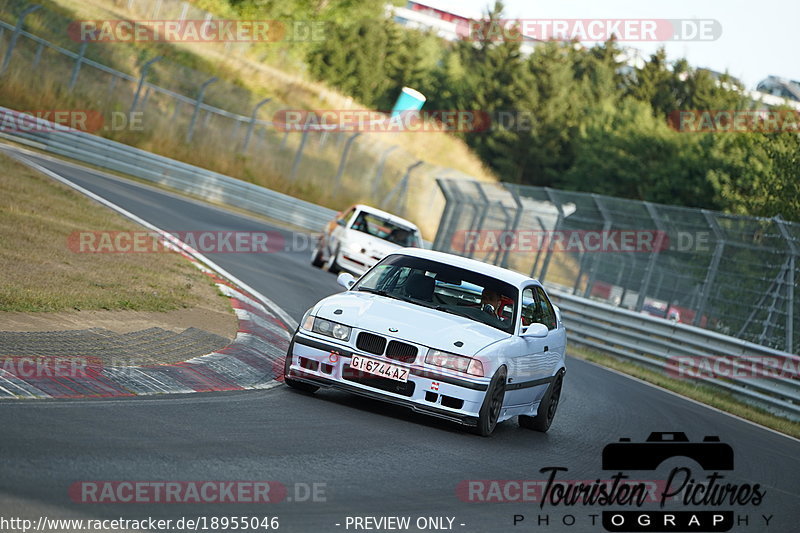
327,364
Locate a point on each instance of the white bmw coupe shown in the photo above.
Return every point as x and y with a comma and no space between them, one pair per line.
444,335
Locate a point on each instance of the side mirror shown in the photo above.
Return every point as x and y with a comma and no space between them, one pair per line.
347,280
536,330
341,222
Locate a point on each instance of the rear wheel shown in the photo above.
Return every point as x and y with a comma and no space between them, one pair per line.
547,409
492,404
293,383
331,265
316,255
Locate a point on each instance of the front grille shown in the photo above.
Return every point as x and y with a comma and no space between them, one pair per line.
377,382
369,342
401,351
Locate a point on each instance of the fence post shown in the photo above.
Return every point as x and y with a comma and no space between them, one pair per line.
347,145
546,241
653,263
38,57
376,182
142,74
184,10
197,105
512,189
790,284
14,36
480,215
401,188
298,155
252,123
711,275
73,79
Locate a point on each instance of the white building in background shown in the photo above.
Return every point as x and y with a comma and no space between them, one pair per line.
780,87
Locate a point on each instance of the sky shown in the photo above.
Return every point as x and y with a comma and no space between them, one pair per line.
759,38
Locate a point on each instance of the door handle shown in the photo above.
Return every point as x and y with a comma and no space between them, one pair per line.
546,348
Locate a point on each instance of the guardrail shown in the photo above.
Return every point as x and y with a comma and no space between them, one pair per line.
196,181
648,341
678,349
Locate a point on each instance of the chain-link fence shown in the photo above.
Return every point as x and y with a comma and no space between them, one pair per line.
732,274
197,117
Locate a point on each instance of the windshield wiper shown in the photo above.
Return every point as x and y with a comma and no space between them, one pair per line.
379,292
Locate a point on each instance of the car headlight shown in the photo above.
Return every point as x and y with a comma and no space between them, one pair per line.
330,329
459,363
307,322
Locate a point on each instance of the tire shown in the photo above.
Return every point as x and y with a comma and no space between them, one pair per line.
547,408
492,404
316,255
298,385
331,265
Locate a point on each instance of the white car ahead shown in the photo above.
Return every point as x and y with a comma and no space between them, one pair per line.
361,236
441,334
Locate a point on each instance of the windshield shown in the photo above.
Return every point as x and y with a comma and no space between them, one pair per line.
446,288
385,229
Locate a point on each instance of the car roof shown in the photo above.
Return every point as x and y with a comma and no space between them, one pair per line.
503,274
388,216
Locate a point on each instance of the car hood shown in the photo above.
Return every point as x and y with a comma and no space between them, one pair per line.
414,323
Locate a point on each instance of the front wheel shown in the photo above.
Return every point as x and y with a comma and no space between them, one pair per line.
492,404
547,408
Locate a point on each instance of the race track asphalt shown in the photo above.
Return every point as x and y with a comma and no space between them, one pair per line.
367,458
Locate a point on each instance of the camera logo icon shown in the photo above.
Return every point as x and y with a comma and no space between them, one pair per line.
710,454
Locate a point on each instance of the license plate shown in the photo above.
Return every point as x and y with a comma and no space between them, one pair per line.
379,368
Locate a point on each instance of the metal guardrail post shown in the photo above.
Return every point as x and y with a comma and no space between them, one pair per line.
142,75
252,123
73,79
12,43
337,180
197,105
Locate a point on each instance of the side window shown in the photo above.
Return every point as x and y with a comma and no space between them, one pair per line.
530,308
548,314
345,218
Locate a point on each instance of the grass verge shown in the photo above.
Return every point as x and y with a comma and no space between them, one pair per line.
701,393
42,274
